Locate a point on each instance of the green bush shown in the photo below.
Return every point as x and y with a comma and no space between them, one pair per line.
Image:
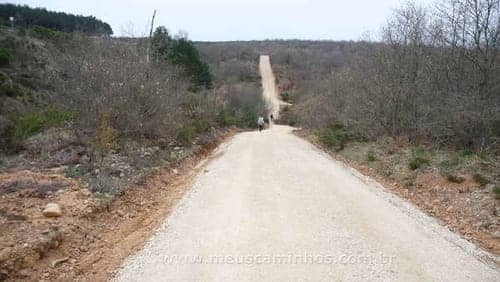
185,134
184,53
408,181
496,192
249,117
370,156
5,57
31,123
106,138
417,162
10,90
465,153
226,117
450,163
480,179
73,171
483,155
455,179
419,158
54,117
247,77
47,33
201,125
285,96
181,51
104,191
335,137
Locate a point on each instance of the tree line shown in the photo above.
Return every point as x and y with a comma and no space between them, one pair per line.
25,16
438,76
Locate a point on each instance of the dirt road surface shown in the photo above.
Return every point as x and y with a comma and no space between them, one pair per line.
270,91
272,207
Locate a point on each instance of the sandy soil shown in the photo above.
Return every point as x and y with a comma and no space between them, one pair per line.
95,236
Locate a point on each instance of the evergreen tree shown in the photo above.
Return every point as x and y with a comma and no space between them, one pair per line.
181,51
25,16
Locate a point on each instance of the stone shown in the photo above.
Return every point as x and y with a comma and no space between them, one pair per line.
86,192
5,254
52,210
50,240
56,262
24,272
120,213
496,235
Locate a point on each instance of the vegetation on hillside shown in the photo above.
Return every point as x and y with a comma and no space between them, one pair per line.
434,78
103,104
181,51
237,78
25,16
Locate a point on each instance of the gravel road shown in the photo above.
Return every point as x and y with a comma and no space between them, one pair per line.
270,91
272,207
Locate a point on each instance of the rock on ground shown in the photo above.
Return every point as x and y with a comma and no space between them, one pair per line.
52,210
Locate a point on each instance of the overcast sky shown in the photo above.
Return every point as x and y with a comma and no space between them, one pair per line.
222,20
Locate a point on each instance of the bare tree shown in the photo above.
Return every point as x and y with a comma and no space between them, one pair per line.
150,36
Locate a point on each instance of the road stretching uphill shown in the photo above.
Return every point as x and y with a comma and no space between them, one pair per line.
272,207
270,91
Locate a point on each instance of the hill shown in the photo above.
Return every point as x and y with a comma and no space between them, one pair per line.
25,16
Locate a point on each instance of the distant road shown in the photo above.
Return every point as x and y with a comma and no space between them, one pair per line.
270,90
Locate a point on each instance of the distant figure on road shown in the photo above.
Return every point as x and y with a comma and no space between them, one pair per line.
260,123
271,118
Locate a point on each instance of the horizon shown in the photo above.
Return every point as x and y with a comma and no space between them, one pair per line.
303,20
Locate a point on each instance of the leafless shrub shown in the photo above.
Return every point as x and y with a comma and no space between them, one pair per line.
112,78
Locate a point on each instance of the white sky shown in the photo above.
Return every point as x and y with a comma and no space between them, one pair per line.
222,20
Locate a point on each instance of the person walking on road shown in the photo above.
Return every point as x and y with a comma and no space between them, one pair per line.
260,123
